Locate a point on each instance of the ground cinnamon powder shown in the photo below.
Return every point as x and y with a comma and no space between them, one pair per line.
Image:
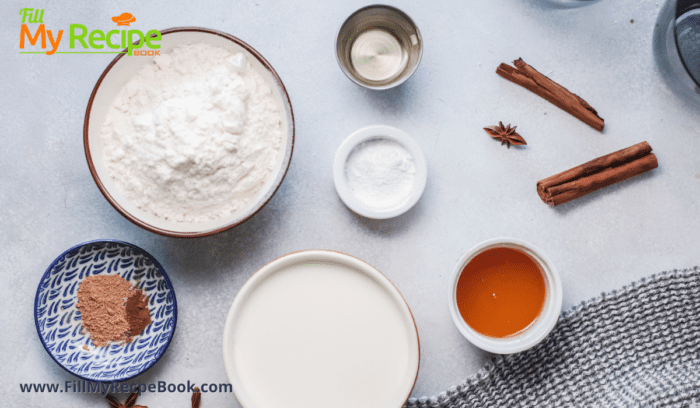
111,309
137,313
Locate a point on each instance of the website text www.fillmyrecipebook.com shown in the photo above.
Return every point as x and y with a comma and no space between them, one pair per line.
94,387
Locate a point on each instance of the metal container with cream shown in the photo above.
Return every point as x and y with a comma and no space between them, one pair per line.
378,47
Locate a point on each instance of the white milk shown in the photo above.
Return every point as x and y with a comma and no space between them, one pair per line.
320,335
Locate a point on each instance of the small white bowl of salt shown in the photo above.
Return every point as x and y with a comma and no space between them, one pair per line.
379,172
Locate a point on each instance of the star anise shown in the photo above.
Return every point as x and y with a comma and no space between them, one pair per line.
505,134
129,403
196,398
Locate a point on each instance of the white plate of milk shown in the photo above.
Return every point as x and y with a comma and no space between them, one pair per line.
319,329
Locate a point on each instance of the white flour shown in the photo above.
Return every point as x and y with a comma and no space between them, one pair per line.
380,173
193,136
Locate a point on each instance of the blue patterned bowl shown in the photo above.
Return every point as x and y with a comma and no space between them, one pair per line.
59,323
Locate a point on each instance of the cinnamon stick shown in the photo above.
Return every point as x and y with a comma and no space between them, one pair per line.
196,398
597,173
528,77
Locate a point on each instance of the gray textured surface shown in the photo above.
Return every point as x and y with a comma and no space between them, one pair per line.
633,347
476,188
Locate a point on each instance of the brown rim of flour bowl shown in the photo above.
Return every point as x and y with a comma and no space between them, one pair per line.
115,77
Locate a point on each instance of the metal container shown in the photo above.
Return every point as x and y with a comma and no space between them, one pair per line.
676,44
566,4
378,47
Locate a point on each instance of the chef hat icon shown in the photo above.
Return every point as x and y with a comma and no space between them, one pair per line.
124,20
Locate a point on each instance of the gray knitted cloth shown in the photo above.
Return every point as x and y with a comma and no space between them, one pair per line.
635,347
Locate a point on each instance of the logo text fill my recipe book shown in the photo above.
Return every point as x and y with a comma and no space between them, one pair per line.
35,38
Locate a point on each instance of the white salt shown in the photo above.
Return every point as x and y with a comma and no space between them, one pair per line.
380,173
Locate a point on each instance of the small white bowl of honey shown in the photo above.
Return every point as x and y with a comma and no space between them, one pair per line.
505,295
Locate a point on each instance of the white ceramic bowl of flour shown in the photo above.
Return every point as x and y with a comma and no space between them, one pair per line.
320,329
248,197
379,172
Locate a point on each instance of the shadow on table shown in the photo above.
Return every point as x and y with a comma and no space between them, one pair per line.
391,226
394,101
229,249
